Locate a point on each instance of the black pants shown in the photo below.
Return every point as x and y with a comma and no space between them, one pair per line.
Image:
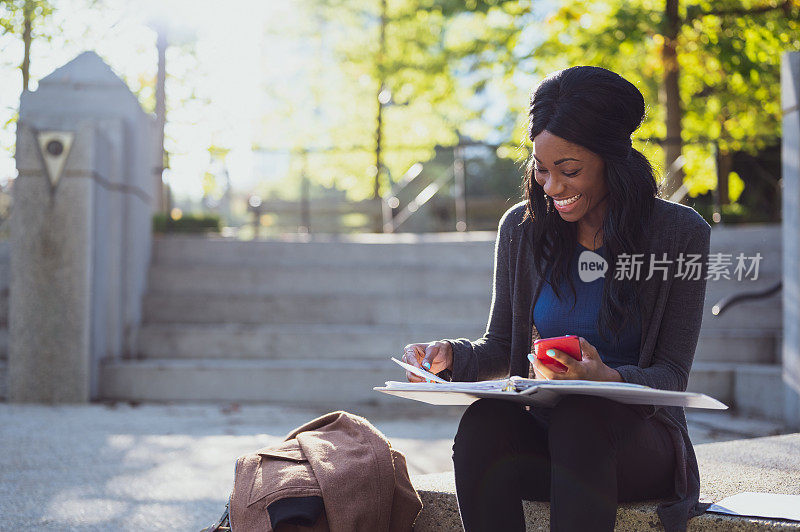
584,455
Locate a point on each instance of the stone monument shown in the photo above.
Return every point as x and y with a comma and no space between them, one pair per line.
80,230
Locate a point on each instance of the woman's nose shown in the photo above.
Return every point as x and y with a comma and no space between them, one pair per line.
552,187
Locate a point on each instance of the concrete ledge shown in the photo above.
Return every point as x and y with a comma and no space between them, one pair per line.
761,464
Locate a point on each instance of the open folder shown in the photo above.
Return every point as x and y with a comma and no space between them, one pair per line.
537,392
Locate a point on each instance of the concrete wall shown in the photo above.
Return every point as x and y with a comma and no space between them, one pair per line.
80,246
790,84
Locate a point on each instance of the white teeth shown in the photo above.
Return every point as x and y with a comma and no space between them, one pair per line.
567,201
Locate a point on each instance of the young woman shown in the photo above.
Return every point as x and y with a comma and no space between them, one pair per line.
586,188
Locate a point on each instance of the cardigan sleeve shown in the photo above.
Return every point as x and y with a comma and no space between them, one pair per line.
488,357
680,325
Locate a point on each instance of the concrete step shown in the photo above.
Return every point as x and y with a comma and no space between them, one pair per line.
759,391
451,248
461,248
748,346
715,379
763,238
252,341
752,389
334,383
241,340
746,237
365,309
322,278
766,465
433,278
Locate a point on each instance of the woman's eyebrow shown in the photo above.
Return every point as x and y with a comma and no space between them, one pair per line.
558,161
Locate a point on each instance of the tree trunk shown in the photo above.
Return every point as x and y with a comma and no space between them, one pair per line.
376,192
163,204
724,168
672,99
27,35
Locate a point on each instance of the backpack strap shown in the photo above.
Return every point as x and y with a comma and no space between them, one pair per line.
222,524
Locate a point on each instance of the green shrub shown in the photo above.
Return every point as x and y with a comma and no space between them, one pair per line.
188,223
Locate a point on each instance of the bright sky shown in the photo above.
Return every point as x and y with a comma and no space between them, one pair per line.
226,74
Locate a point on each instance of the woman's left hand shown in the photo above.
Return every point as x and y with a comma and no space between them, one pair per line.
589,368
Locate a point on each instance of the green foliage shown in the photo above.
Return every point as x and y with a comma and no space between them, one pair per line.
735,186
435,54
187,223
729,56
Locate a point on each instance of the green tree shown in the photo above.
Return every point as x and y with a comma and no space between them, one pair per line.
393,79
709,70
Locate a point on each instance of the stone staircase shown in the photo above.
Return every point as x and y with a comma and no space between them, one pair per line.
300,322
316,321
739,352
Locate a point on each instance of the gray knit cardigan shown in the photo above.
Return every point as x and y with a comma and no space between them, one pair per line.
672,312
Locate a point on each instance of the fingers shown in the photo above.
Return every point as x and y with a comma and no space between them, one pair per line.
587,349
431,353
562,357
410,354
413,378
410,357
433,357
546,372
538,373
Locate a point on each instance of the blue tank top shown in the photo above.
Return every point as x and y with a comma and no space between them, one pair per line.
554,317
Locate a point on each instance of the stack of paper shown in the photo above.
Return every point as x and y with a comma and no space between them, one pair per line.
537,392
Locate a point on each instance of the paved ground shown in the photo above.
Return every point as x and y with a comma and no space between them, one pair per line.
170,467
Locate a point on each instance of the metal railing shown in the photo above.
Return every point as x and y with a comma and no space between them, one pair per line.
729,301
424,183
676,166
390,202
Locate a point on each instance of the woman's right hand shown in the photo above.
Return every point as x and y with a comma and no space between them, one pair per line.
431,356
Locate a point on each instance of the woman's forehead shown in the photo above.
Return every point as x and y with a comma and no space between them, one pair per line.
552,148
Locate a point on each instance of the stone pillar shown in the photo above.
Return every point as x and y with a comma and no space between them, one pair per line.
80,231
790,88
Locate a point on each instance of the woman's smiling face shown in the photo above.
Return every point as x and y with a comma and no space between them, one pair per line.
572,176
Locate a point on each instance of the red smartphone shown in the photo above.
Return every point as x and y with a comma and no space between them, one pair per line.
570,344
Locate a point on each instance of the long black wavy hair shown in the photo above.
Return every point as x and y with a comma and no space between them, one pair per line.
599,110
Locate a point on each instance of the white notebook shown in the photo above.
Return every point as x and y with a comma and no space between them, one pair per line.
537,392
